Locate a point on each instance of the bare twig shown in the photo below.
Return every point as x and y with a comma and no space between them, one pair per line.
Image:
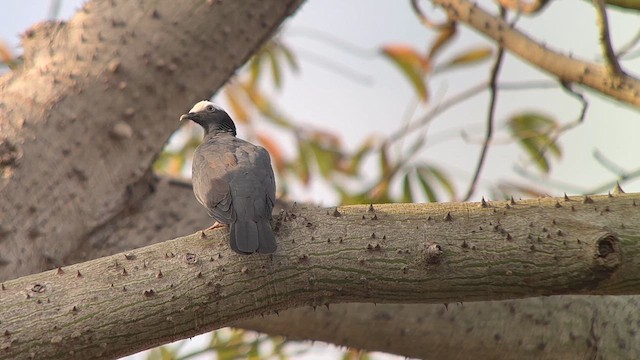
626,48
610,58
439,109
608,163
625,88
493,81
424,19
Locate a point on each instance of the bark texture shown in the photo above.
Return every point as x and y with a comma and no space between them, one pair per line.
567,327
94,102
430,253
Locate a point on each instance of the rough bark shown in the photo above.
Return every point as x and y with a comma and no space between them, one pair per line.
567,327
92,105
409,253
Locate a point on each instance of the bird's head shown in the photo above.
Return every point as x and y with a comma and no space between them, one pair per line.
212,118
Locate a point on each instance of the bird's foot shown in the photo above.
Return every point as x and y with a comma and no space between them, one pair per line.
216,225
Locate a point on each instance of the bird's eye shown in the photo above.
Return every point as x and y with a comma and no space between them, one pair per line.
209,107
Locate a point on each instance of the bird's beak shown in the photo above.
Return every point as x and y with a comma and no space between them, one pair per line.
184,117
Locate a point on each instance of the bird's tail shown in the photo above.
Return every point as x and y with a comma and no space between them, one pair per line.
247,237
266,238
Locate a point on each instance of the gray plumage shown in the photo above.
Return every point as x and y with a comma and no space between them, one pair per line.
234,180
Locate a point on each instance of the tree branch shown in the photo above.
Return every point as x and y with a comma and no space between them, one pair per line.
609,55
429,253
537,328
623,87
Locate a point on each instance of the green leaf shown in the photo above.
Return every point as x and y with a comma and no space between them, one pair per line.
290,57
468,57
407,194
533,132
276,72
423,175
413,65
443,179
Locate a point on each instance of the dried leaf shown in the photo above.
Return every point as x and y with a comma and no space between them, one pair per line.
445,35
413,65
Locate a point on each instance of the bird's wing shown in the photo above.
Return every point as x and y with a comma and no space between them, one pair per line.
212,172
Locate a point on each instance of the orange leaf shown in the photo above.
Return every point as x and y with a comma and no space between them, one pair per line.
412,64
274,151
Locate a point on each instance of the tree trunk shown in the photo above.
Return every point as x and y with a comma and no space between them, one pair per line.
409,253
94,102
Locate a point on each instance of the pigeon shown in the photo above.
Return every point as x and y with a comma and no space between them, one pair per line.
233,179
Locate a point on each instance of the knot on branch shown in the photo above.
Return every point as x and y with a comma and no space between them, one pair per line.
607,252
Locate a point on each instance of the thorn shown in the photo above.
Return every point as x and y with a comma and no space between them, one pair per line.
199,274
509,238
618,190
373,235
587,200
553,221
558,205
7,333
59,271
336,213
375,217
507,206
464,244
448,217
371,209
363,218
78,274
149,293
566,198
609,194
159,274
512,202
446,306
74,309
384,237
124,272
483,203
202,234
559,233
124,288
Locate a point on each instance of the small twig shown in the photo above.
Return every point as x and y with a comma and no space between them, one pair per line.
608,163
437,110
493,87
605,41
424,19
628,46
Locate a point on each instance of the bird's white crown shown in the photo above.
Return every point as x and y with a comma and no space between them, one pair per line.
202,105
